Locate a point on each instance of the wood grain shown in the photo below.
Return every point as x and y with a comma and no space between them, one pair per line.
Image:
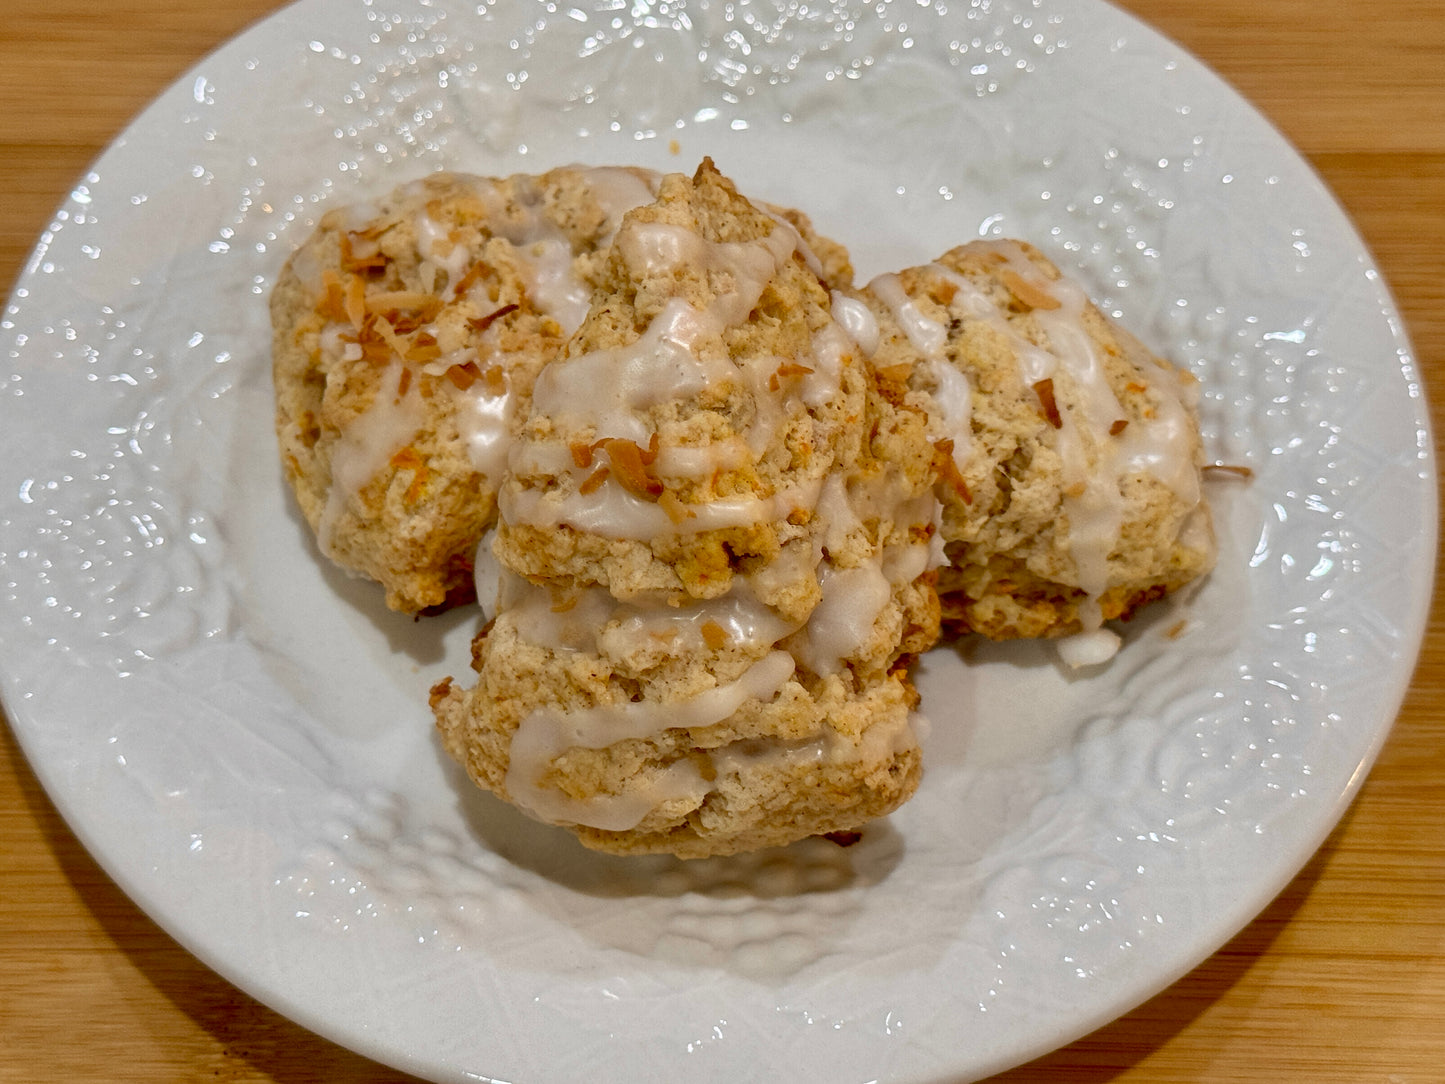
1341,979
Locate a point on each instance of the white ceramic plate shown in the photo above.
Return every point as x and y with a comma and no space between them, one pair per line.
240,734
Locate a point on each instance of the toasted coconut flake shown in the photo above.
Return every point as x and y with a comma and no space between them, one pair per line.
393,301
1237,470
673,506
1044,389
463,376
362,254
594,481
898,373
494,380
947,470
649,454
481,323
356,300
423,348
332,305
1029,294
943,291
375,350
788,369
474,274
630,470
389,336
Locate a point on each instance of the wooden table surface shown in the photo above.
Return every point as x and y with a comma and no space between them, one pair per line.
1342,978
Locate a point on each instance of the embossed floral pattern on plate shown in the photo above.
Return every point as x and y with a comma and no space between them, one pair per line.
239,732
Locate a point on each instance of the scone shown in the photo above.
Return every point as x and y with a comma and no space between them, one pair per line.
1068,455
716,545
407,335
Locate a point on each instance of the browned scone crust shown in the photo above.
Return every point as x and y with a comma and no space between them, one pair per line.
659,685
1068,455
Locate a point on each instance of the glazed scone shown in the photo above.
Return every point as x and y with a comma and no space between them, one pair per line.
407,335
716,551
1068,455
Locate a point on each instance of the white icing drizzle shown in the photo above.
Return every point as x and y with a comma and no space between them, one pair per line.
591,620
487,573
857,320
619,190
843,621
546,733
927,335
612,512
603,391
484,421
552,284
831,348
434,243
366,446
1092,648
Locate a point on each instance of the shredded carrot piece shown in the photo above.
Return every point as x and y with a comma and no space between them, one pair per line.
1118,427
714,635
581,454
403,382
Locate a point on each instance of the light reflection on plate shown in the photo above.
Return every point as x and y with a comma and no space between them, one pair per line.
239,733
